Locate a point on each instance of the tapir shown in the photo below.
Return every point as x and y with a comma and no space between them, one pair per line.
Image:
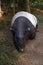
23,27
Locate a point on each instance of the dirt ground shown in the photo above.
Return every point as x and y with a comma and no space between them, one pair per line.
33,54
34,50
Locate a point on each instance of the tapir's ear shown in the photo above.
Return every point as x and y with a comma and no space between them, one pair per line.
10,28
28,29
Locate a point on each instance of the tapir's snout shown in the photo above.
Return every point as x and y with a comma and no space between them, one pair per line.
20,42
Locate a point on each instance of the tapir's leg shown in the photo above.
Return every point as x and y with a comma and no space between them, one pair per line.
32,31
13,33
32,34
37,29
14,40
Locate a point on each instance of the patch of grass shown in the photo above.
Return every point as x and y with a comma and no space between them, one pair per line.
1,24
8,54
40,18
5,60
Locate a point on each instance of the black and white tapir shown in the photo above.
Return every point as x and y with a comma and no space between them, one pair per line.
23,26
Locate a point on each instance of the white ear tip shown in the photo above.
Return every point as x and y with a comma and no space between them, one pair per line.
22,50
10,28
29,29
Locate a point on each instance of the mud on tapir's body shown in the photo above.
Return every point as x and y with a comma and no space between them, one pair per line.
23,26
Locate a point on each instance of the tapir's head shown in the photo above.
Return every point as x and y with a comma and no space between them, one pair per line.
20,35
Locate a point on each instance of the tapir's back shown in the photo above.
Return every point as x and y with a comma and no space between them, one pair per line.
29,16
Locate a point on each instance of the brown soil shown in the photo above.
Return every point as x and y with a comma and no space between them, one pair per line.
33,54
34,50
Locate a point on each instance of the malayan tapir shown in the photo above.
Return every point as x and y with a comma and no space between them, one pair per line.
23,26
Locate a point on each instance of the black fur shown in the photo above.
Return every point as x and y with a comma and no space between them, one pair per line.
20,32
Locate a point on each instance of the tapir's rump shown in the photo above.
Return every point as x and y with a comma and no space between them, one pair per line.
23,26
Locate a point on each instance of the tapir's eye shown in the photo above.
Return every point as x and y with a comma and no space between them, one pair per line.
28,29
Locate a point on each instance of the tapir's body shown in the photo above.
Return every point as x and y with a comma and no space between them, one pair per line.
23,26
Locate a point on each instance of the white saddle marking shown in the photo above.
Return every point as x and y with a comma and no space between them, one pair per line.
29,16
